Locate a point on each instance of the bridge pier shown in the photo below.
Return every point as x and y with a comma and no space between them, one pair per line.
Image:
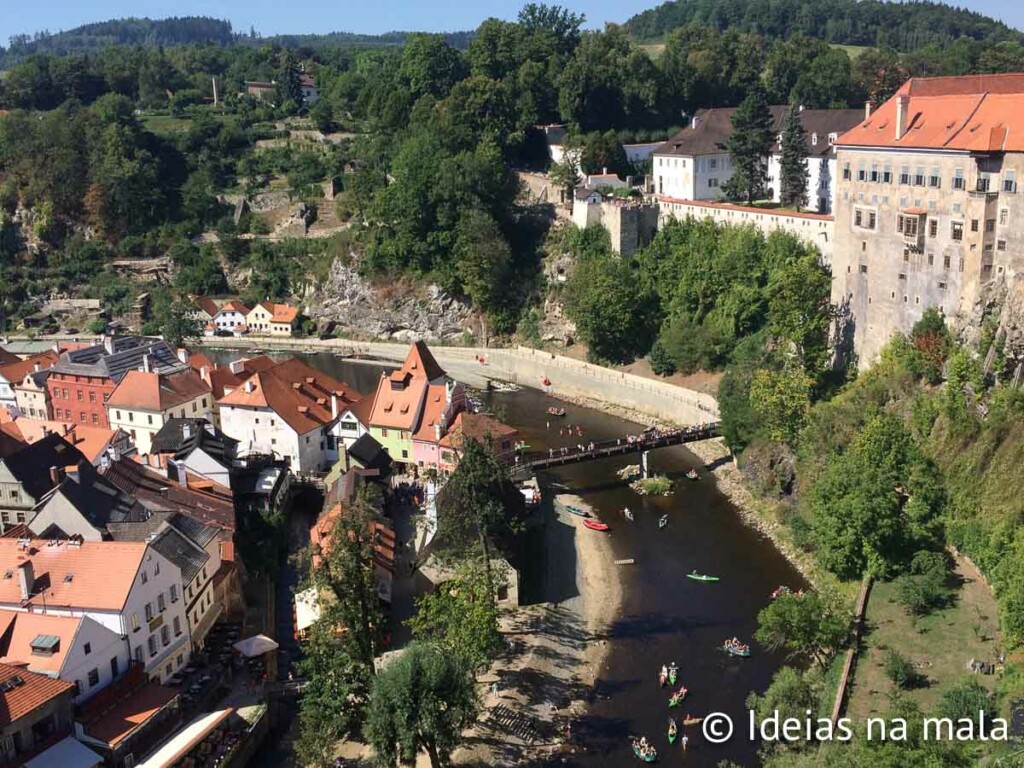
644,471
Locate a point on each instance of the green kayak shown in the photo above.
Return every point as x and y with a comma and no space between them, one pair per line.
701,577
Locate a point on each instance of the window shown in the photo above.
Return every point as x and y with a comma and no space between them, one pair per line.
990,225
94,677
135,622
942,286
887,174
152,645
919,176
131,416
150,417
81,416
933,228
861,173
902,276
195,406
149,611
983,182
904,174
65,393
95,419
934,180
156,568
713,183
906,257
863,269
87,649
81,395
92,397
931,259
713,164
160,602
961,265
846,172
383,433
145,577
1004,215
138,653
958,179
874,172
177,626
907,225
118,415
1000,245
957,230
945,262
174,593
114,670
204,402
1010,181
974,225
165,635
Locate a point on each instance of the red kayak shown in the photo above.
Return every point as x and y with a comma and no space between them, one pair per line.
594,525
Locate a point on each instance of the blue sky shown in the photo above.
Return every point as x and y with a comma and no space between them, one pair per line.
280,16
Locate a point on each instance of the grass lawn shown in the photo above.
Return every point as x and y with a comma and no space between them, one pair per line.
653,50
853,51
940,645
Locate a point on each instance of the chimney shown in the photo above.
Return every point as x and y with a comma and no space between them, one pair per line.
146,365
210,429
56,475
902,116
182,474
26,579
867,109
36,368
249,387
334,406
694,122
801,109
236,366
204,374
183,355
108,344
186,431
604,170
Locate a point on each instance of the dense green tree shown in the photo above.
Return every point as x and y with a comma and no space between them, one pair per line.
781,398
421,702
965,701
793,170
288,89
799,310
749,146
826,83
925,587
431,67
614,314
484,260
177,324
791,694
811,625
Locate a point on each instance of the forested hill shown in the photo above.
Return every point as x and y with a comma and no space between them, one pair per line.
903,26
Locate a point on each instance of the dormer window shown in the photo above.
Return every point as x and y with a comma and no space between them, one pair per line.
832,138
814,139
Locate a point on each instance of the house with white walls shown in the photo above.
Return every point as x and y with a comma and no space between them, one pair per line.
77,649
230,316
145,400
128,587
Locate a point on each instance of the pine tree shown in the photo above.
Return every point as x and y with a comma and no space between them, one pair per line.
749,147
289,91
793,173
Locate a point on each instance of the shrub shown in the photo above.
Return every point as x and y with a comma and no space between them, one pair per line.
900,670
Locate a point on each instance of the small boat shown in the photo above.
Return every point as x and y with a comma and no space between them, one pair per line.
502,386
647,754
677,697
577,511
628,513
780,591
546,381
692,720
523,446
594,525
691,474
736,648
663,521
673,731
663,677
673,674
701,576
552,411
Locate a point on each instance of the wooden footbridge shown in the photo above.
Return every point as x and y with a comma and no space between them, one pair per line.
536,461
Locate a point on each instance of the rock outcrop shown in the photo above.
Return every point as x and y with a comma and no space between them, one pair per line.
359,308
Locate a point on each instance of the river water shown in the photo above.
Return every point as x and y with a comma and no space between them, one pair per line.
664,616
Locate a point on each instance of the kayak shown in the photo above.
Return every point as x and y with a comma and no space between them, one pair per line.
662,679
740,650
673,673
577,511
628,513
594,525
692,720
673,731
691,474
648,757
552,411
663,521
701,577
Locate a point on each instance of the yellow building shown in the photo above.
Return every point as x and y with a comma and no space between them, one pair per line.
273,319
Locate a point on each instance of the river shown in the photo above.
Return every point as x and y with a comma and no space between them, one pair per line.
664,616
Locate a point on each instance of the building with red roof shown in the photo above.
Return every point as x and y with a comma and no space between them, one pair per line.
271,318
144,401
36,712
928,203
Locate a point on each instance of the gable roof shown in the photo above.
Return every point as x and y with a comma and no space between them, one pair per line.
96,499
177,548
116,356
420,362
6,358
150,391
361,409
210,503
371,454
234,306
102,572
298,393
280,313
207,305
91,440
710,129
975,113
180,437
19,629
431,426
31,465
16,372
27,692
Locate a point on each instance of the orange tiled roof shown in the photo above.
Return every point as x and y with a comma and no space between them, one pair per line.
396,404
322,531
236,306
102,572
198,360
34,691
433,410
475,426
976,113
90,440
19,628
15,372
361,409
139,390
299,394
280,313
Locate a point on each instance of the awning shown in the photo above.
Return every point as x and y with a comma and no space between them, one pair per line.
254,646
69,753
184,740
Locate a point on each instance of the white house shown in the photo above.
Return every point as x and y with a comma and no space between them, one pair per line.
230,316
74,648
195,445
353,421
144,401
288,411
695,164
128,587
13,374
